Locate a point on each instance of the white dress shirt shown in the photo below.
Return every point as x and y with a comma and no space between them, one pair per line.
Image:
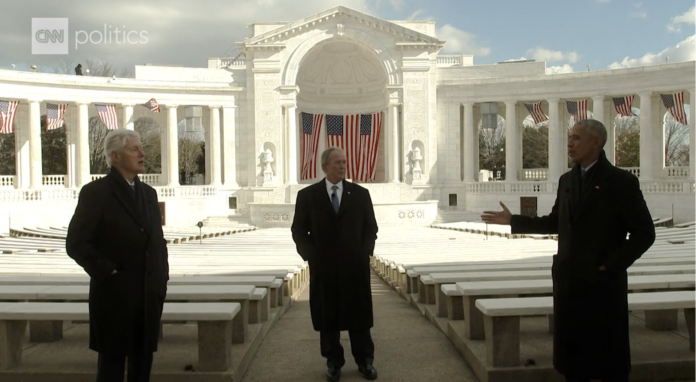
339,191
586,169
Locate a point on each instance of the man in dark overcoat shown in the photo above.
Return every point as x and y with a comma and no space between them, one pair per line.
116,236
335,230
597,205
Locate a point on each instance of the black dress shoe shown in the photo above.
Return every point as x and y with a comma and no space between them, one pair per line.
333,374
368,372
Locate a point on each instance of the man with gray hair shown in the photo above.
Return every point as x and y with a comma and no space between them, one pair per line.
596,207
335,230
116,236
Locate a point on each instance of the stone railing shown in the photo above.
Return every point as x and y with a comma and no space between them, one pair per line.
7,181
53,180
633,170
676,172
151,179
185,192
667,187
454,60
228,62
181,192
511,187
535,173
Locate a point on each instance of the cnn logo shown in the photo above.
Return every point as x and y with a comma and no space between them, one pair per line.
49,36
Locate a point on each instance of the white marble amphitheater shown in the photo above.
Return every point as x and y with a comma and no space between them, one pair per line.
340,62
454,300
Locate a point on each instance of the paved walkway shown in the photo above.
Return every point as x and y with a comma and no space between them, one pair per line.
407,346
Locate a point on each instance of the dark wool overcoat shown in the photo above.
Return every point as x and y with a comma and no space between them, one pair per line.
115,228
593,215
338,247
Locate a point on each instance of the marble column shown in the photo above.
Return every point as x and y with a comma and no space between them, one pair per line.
469,143
557,164
230,147
291,123
70,152
84,175
215,163
128,122
645,136
393,161
21,132
610,147
511,142
692,135
35,166
172,156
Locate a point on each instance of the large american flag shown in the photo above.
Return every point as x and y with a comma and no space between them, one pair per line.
623,105
370,128
152,105
535,111
577,108
107,113
7,112
675,104
343,131
54,115
311,127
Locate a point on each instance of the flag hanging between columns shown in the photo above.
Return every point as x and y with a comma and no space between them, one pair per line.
152,105
7,112
623,105
578,109
54,115
675,104
535,111
370,128
343,131
311,127
107,113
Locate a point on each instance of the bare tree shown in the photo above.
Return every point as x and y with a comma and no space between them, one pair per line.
627,140
190,150
97,134
98,68
491,146
150,140
676,142
64,65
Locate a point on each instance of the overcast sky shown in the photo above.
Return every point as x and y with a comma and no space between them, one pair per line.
568,34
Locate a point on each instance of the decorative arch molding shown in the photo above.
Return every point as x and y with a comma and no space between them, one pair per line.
317,36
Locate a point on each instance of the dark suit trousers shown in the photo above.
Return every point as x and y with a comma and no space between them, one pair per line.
111,368
361,346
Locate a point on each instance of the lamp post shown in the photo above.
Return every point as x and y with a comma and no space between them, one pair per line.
200,232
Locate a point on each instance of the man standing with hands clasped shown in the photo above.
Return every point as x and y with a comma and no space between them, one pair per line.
335,231
597,205
116,236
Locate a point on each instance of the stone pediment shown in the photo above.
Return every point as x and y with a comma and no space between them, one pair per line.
404,37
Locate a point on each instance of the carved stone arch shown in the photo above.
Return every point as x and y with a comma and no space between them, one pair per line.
293,65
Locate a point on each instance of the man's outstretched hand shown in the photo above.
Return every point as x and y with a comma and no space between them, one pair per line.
493,217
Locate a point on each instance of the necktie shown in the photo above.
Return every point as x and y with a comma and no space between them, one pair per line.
334,198
132,189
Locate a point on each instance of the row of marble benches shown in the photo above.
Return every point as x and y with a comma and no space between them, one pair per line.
222,306
485,296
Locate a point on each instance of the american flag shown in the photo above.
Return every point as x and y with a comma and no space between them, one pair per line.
107,113
311,127
7,112
577,108
152,105
675,104
535,111
54,116
370,128
343,131
623,105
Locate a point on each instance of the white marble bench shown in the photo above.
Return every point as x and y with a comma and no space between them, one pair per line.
48,331
467,293
431,283
214,327
502,319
